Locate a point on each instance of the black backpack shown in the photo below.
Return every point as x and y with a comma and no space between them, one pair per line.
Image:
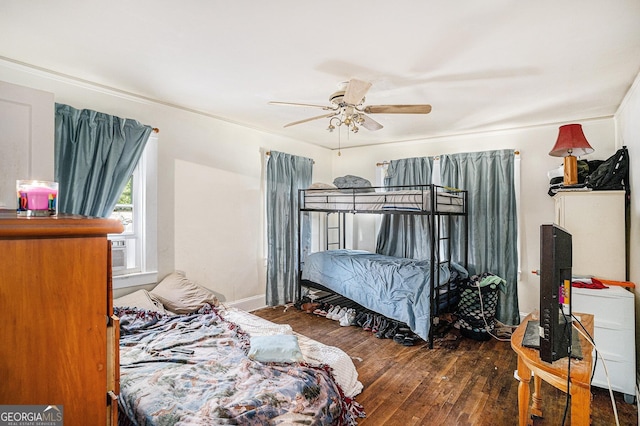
612,174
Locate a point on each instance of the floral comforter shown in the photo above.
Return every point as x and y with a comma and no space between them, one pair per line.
194,370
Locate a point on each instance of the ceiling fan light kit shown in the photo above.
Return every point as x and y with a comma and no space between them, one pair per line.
347,108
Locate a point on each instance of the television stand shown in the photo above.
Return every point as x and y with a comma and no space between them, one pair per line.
555,374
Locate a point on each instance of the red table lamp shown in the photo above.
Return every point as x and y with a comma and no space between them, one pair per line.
571,141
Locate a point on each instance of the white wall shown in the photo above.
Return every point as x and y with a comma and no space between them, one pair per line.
537,207
628,133
217,243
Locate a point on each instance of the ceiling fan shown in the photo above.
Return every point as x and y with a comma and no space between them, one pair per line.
346,108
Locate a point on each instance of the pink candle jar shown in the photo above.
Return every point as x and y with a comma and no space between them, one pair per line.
37,198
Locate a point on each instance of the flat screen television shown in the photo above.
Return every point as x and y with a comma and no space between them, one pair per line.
555,293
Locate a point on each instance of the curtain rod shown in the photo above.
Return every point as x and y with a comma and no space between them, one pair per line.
268,154
155,130
437,157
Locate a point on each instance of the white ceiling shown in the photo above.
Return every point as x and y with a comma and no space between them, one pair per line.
482,65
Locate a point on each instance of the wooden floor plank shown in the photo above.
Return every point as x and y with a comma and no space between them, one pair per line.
461,382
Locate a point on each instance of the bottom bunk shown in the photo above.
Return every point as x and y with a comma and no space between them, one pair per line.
397,288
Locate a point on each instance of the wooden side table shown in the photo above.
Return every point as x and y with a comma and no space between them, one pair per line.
555,374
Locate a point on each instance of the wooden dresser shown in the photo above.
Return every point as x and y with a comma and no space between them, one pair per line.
58,332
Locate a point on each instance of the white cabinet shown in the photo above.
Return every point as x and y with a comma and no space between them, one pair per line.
27,119
596,221
614,335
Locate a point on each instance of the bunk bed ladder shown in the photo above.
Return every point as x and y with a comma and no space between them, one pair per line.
440,231
334,231
445,244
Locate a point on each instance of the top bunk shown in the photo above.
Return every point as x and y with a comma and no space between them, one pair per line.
408,199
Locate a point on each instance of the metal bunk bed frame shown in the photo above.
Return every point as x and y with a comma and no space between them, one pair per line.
437,220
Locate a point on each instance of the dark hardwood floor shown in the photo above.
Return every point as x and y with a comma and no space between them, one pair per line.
459,382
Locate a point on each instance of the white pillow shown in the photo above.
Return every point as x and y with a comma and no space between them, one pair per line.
276,348
321,185
141,299
180,295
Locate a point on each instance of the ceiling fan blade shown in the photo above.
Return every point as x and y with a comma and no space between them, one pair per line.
370,124
398,109
310,119
299,104
356,89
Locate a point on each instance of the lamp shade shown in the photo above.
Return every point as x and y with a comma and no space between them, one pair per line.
571,141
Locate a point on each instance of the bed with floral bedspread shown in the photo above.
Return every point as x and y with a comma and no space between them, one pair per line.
195,369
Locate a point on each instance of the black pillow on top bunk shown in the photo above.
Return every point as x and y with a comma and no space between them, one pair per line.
350,182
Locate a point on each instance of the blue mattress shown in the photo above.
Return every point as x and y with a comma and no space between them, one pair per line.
397,288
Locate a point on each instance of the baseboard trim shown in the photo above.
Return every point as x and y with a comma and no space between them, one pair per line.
250,303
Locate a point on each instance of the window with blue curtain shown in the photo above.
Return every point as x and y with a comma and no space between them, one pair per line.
404,235
95,154
489,178
286,174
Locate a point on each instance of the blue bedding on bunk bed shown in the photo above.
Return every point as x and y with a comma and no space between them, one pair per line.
397,288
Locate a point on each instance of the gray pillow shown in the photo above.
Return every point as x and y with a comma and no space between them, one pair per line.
350,182
180,295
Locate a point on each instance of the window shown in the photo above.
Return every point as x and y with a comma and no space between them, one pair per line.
125,247
134,251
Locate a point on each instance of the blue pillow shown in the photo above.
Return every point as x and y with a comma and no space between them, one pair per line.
278,348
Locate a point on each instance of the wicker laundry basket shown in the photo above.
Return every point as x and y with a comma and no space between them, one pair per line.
477,306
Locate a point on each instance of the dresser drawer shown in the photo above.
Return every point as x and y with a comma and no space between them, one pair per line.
619,375
614,334
616,349
615,344
612,307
